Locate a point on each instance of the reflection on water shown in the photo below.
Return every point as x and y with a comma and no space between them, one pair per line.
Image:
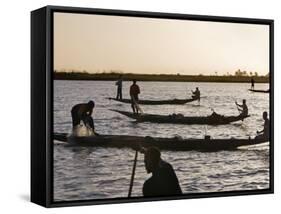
95,173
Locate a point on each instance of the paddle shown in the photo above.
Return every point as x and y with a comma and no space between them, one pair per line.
133,174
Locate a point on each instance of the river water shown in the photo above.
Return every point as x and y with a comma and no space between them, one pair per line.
98,173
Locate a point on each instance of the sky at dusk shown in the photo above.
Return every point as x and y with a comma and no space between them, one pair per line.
143,45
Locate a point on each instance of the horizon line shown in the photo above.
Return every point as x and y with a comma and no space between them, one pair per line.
248,73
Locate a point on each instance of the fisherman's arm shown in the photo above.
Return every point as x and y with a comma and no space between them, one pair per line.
241,106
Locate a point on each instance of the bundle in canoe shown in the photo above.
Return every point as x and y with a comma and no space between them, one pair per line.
172,144
157,102
260,91
213,119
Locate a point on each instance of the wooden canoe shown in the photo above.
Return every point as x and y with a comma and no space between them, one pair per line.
176,119
172,144
260,91
157,102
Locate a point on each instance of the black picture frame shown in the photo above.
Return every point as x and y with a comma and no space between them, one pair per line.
42,102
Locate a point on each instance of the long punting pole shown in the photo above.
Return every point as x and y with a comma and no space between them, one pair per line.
133,175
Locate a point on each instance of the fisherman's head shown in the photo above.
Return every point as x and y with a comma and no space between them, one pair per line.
197,88
244,101
264,115
152,157
134,81
91,104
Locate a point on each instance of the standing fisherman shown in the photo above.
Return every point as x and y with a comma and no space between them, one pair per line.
119,88
134,93
252,83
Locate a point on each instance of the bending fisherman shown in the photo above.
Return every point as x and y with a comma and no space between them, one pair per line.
83,111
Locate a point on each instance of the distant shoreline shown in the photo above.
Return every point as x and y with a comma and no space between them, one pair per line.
156,77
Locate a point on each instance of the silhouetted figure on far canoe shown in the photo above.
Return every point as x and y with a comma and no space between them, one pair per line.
164,181
134,93
243,109
264,134
196,94
83,111
252,84
119,88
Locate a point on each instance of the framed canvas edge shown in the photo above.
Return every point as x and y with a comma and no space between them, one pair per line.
38,152
49,102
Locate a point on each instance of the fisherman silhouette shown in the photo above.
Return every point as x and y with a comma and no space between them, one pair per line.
164,181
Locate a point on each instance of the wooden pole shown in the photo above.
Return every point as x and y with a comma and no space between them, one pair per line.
133,174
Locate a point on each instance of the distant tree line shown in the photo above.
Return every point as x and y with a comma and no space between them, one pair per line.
240,73
113,75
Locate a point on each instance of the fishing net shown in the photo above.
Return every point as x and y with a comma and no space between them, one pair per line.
82,131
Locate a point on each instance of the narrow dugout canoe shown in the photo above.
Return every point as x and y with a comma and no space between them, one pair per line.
176,119
259,91
157,102
171,144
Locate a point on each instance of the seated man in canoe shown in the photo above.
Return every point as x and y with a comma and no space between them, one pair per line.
196,94
83,112
264,134
134,93
164,181
243,109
